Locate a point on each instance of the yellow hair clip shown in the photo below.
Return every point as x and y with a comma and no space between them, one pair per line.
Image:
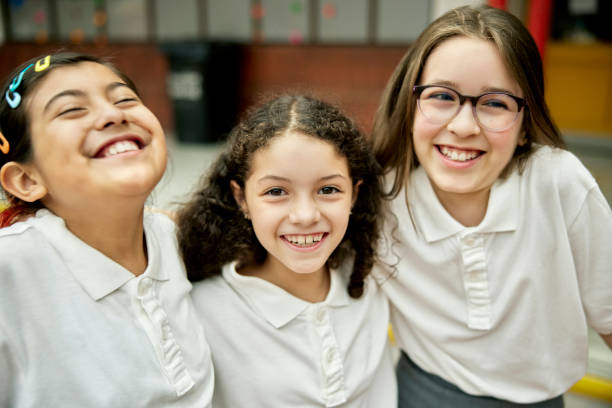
42,64
4,147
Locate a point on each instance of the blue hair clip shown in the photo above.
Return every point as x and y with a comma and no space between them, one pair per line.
15,99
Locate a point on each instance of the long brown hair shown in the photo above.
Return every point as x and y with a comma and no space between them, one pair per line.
393,122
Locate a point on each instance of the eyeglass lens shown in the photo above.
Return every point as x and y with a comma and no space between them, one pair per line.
494,111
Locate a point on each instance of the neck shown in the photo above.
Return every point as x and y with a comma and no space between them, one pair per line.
468,209
311,287
117,232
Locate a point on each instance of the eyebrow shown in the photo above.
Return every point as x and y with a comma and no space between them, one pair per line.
284,179
78,93
454,85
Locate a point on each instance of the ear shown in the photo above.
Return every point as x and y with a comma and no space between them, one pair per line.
19,180
522,140
356,191
239,197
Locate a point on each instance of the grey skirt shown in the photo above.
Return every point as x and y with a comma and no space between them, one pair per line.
419,389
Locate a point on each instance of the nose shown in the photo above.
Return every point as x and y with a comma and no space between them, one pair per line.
304,211
109,114
464,122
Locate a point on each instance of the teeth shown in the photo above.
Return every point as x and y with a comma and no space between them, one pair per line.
458,156
304,240
120,147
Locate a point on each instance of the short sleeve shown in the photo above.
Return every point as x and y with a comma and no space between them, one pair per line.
590,235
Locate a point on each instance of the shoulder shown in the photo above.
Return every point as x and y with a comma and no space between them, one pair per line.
216,302
560,167
159,219
209,292
555,172
556,178
19,240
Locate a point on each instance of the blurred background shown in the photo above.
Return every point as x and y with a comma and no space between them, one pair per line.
199,63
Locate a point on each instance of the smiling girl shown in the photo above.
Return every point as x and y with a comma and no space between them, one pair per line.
281,238
91,313
502,238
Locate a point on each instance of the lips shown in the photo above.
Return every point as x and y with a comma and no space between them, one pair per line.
459,155
119,146
304,240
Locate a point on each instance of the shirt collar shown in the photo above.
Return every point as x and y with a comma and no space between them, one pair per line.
435,223
96,273
276,305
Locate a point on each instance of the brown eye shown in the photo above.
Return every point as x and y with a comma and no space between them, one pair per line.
275,192
328,190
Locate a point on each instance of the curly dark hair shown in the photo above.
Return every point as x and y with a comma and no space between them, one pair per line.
212,230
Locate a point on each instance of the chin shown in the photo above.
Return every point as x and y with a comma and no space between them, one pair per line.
306,269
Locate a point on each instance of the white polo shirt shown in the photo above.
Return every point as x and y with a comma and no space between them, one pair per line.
271,349
79,330
502,309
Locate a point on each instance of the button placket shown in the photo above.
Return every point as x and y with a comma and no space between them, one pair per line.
332,368
475,281
168,351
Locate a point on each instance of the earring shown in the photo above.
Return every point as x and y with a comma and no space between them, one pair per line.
246,216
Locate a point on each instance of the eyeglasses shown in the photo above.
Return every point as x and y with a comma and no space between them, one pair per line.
495,111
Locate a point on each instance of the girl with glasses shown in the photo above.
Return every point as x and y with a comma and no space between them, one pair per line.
500,238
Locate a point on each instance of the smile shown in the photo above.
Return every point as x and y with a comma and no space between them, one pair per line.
304,240
459,155
118,147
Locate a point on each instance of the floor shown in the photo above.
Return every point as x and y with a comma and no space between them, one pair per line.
188,162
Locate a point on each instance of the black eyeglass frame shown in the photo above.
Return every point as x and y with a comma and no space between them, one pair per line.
417,90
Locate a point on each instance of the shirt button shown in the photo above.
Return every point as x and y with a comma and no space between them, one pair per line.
469,240
320,315
144,286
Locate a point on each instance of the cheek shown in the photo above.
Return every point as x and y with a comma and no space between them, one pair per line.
423,134
264,219
505,143
340,212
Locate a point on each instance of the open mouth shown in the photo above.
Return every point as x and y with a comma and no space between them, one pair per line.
305,240
117,147
459,155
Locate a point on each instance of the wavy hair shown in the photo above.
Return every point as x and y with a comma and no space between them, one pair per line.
392,129
212,230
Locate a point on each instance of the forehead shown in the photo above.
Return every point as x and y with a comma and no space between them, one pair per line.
295,155
473,64
84,76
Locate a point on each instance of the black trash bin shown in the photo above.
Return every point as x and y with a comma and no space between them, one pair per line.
204,86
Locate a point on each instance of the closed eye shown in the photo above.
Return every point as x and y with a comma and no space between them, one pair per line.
126,100
70,110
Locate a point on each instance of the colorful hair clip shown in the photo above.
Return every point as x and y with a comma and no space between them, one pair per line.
5,146
17,80
42,64
15,100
